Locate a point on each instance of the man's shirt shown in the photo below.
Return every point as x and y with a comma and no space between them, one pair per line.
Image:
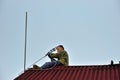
62,57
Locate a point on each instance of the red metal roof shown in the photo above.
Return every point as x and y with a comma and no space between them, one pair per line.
93,72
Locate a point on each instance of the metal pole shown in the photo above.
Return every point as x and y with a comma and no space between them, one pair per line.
25,42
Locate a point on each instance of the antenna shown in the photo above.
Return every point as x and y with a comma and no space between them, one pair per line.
25,42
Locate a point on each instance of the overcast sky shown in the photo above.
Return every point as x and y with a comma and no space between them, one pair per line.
88,29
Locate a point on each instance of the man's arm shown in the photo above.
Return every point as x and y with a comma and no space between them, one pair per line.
56,55
52,59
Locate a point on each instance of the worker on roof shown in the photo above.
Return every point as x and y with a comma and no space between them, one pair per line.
61,55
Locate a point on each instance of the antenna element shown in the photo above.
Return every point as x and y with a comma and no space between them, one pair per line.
25,42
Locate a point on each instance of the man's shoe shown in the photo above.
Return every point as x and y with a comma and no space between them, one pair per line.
36,67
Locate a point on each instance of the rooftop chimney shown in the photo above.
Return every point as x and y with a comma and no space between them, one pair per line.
112,62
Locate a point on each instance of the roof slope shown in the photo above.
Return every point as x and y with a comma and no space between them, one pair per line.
93,72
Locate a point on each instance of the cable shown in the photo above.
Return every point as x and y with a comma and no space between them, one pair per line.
32,64
37,61
52,50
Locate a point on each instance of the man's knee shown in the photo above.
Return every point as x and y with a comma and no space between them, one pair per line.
47,63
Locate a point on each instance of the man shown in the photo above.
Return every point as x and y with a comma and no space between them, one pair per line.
61,55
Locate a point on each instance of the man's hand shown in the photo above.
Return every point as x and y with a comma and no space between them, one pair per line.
52,50
48,54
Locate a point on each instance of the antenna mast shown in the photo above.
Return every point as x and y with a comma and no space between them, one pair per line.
25,42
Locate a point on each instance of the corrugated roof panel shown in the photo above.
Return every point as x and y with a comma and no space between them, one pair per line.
94,72
103,73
